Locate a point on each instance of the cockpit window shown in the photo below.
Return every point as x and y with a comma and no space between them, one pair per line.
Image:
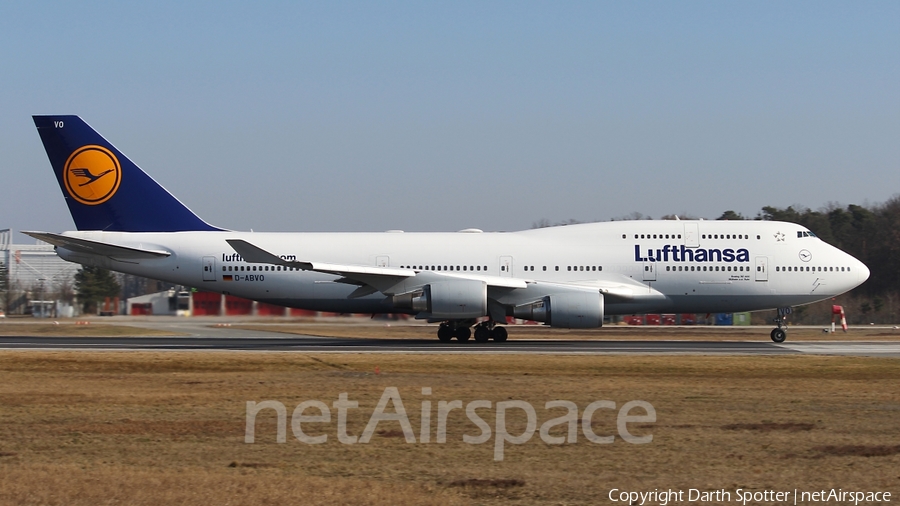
805,233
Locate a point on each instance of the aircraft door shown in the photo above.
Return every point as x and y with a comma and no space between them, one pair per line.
506,266
209,268
649,271
762,268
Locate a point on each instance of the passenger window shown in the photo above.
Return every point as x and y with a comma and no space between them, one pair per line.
545,268
557,268
667,267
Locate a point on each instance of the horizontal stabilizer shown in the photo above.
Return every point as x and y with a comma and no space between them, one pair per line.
97,248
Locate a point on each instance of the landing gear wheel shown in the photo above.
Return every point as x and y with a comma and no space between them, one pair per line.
778,335
482,334
499,334
445,333
462,334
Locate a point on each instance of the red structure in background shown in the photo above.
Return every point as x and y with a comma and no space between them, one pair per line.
236,306
263,309
655,319
206,303
141,309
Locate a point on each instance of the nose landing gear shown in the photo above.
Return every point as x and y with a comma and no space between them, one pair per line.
780,334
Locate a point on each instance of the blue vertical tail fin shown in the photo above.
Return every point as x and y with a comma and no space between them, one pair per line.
103,188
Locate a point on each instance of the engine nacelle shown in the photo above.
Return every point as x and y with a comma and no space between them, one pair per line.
565,310
452,299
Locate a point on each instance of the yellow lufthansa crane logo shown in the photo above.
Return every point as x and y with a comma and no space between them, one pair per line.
92,175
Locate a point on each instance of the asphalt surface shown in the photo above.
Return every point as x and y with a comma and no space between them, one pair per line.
311,344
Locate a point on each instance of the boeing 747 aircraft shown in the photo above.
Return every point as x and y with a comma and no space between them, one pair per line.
570,276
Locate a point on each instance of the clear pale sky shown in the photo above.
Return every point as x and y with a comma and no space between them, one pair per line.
319,116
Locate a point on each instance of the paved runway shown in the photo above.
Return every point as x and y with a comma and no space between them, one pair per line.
310,344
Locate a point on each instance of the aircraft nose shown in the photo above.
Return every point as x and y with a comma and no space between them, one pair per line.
863,272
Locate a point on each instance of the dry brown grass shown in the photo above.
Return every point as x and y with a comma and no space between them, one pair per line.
70,329
357,329
168,428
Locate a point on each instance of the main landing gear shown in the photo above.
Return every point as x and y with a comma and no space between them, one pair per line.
780,334
484,331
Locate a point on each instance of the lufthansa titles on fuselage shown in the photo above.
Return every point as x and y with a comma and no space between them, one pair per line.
234,257
680,253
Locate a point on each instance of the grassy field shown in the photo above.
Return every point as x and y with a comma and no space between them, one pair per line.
405,330
84,428
71,329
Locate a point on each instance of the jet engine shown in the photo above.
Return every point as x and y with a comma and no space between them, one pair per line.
453,299
566,310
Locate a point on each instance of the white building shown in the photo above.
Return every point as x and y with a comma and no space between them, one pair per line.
36,273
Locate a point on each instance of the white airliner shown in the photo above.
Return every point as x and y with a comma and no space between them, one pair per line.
570,276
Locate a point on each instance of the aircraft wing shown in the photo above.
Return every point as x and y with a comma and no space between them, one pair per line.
387,280
97,248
